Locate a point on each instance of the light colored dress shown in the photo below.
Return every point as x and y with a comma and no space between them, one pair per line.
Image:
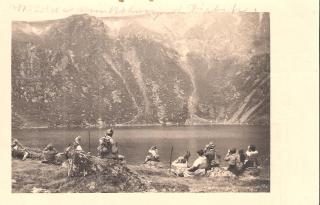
201,162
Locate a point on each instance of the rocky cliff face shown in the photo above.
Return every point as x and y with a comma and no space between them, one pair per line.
172,68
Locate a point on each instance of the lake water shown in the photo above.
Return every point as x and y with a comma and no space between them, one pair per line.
134,142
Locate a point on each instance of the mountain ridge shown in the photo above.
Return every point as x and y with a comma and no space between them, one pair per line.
78,71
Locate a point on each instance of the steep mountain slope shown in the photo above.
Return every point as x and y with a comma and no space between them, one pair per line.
86,71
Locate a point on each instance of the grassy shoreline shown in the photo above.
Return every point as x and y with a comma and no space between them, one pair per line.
33,176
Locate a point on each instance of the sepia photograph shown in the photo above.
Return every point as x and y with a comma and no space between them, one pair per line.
157,102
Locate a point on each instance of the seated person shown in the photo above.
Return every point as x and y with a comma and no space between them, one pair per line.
182,161
49,153
242,158
232,158
212,156
68,151
200,163
252,157
180,165
104,148
18,151
77,144
153,155
108,147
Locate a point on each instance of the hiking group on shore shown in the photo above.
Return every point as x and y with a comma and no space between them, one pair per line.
208,158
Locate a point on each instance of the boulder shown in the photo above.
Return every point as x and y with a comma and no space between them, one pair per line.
178,169
220,172
90,173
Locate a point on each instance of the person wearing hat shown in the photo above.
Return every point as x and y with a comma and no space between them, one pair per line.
49,153
153,155
19,151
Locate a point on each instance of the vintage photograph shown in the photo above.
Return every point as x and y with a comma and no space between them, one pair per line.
156,102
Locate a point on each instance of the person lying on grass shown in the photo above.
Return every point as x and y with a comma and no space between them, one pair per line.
18,150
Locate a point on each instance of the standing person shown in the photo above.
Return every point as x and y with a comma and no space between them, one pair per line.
153,155
19,151
252,157
232,158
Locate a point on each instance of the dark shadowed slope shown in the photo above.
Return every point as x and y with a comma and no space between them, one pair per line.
87,71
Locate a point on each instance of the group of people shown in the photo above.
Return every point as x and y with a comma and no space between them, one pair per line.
107,148
237,160
208,158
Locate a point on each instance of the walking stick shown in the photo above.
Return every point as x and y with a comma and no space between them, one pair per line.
171,158
89,140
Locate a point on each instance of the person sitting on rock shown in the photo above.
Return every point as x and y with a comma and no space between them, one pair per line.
78,161
212,156
252,157
108,147
68,151
49,153
104,148
241,160
180,165
18,150
182,159
153,155
233,159
200,163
